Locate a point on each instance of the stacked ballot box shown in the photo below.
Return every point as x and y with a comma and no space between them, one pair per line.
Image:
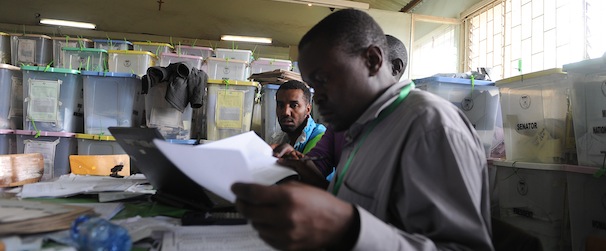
11,97
60,42
5,48
111,44
30,49
229,107
109,101
128,61
478,100
537,117
534,199
56,147
52,99
171,122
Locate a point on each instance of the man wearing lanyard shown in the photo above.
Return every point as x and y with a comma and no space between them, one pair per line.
412,176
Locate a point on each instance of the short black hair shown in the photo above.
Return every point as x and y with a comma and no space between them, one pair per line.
294,85
397,49
350,30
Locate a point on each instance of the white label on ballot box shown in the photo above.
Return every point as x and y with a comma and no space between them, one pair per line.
26,50
229,109
47,149
43,100
170,117
16,108
597,136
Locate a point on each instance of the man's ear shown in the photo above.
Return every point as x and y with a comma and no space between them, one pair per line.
397,67
308,109
374,59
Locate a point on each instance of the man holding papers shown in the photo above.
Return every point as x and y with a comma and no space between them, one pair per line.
412,174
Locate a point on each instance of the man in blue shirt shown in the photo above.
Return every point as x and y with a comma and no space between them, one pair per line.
293,110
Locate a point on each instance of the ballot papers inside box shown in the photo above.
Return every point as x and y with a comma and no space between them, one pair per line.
537,117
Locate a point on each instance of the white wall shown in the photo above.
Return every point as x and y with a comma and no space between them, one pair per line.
397,24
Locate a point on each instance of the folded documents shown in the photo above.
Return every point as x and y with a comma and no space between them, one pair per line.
218,165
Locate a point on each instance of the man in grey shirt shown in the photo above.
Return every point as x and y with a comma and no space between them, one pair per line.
412,175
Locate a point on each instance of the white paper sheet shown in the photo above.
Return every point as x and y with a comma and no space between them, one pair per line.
218,165
215,238
71,184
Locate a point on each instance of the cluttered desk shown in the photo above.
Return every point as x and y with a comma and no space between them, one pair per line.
171,205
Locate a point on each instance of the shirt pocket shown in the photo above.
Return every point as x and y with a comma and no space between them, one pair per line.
356,196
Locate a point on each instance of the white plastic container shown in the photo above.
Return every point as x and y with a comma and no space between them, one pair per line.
169,58
135,62
84,59
226,69
587,209
537,119
109,44
204,52
269,64
51,97
54,146
269,121
89,144
589,109
5,48
479,103
155,48
36,50
534,200
60,42
160,114
7,142
229,108
11,97
109,100
233,54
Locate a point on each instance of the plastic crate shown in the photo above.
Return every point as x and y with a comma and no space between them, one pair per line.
60,42
269,121
160,114
5,48
226,69
51,99
233,54
84,59
135,62
229,108
535,200
92,144
109,100
204,52
269,64
537,119
11,97
587,207
7,142
54,146
192,61
588,109
479,102
109,44
36,50
155,48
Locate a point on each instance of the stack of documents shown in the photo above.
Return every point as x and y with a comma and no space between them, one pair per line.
28,217
275,77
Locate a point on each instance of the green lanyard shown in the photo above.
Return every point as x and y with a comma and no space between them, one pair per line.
403,93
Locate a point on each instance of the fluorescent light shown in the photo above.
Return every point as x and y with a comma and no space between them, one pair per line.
67,23
262,40
339,4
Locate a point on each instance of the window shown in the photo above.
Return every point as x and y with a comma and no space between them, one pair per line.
436,52
513,37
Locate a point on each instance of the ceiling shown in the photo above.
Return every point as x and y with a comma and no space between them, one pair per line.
202,19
